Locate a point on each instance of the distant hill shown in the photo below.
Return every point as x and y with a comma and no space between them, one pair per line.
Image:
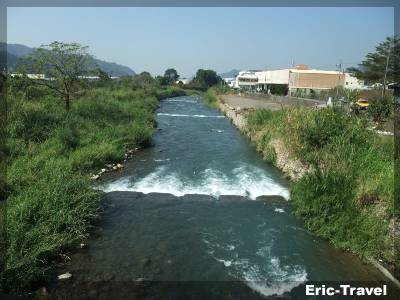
17,50
231,74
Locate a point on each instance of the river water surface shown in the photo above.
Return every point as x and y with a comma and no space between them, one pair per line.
201,208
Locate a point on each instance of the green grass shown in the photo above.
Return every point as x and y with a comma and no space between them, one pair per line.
210,98
51,153
348,198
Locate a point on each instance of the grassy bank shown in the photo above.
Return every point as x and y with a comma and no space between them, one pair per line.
51,152
348,197
210,97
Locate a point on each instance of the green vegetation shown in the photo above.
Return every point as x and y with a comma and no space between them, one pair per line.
170,77
61,62
347,198
381,66
380,108
51,153
205,79
210,97
279,89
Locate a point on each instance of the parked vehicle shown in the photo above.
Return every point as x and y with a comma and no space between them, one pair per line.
361,104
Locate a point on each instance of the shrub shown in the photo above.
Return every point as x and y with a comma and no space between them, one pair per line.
279,89
33,121
380,108
210,98
68,137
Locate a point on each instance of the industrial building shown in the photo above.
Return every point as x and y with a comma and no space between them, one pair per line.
299,80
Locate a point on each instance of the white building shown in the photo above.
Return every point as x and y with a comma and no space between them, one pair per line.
353,83
261,80
30,76
183,81
231,81
296,79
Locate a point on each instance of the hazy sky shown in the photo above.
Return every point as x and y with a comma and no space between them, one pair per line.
154,39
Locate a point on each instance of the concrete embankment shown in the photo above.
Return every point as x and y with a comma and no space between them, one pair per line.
291,167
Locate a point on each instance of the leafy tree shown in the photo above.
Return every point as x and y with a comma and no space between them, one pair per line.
171,75
384,60
206,78
161,80
63,64
144,79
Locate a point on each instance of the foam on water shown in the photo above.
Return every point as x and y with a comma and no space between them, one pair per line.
180,100
191,116
273,278
245,180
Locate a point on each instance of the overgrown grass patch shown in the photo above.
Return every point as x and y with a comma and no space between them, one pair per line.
51,153
348,197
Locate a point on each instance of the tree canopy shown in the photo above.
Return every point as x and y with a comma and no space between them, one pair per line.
63,64
206,78
385,59
144,79
171,75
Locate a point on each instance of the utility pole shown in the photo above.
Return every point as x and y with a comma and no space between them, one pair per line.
386,71
340,73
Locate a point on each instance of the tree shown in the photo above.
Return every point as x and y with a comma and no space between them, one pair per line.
144,79
381,66
63,64
171,76
206,78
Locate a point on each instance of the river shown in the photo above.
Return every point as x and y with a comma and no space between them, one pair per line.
198,214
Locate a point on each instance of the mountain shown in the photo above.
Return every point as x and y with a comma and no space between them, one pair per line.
17,50
231,74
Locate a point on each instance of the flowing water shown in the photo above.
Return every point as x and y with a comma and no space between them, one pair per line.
200,213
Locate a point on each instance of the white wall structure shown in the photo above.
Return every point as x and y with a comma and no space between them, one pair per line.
353,83
273,76
309,79
230,81
183,80
30,76
247,80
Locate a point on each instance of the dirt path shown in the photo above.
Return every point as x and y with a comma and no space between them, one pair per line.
273,102
245,102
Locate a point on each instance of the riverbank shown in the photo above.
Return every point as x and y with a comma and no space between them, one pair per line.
342,174
53,157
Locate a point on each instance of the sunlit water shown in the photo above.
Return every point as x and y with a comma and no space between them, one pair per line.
201,206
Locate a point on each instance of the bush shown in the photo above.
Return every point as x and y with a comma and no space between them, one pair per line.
33,121
380,108
279,89
68,137
210,98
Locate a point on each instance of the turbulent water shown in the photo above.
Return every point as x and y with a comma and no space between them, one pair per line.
202,207
197,151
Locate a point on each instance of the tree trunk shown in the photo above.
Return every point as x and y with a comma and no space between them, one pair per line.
66,99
